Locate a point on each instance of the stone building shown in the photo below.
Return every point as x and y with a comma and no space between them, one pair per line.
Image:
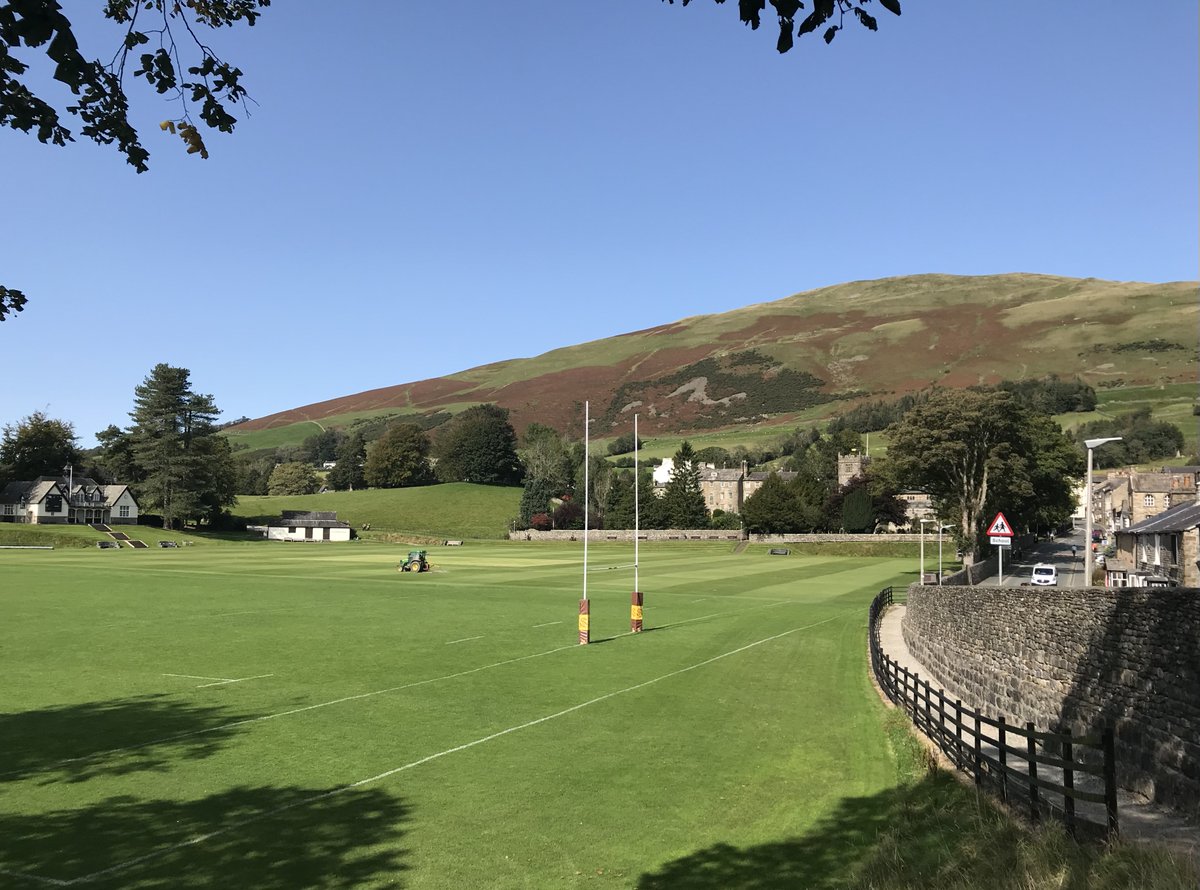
850,467
1160,551
1127,497
722,489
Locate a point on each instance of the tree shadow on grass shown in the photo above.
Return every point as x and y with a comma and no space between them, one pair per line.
253,837
933,833
78,742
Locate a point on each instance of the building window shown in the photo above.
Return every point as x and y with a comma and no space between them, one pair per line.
8,509
1148,500
124,512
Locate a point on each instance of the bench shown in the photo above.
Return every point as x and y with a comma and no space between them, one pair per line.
167,544
452,543
108,545
779,551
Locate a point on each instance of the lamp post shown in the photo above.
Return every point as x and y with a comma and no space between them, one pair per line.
923,521
941,527
1090,444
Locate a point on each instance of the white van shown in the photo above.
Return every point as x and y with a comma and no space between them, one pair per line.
1045,575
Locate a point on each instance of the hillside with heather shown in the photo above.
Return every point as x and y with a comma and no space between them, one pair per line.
814,352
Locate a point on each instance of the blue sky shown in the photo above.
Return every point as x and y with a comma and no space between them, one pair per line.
422,188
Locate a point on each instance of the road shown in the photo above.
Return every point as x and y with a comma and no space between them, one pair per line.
1056,552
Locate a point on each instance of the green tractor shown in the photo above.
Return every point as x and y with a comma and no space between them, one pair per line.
416,562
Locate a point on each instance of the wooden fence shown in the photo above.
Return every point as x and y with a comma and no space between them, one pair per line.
1049,772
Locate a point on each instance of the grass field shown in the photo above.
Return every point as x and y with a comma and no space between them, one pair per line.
290,716
277,716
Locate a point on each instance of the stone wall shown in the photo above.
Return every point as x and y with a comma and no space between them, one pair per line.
1077,658
676,534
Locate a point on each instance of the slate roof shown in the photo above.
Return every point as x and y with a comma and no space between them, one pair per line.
720,475
308,519
33,492
1183,518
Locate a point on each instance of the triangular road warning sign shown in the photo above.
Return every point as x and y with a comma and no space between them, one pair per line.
1000,527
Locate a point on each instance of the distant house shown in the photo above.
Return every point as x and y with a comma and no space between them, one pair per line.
301,525
50,499
722,489
1125,498
1161,551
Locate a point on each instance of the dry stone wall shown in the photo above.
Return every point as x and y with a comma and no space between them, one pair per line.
1077,658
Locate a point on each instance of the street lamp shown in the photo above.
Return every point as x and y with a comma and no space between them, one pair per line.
1087,508
923,521
941,527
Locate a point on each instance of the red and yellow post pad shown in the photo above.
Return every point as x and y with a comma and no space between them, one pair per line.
635,612
584,623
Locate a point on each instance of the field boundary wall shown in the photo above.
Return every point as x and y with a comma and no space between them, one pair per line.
1077,658
676,534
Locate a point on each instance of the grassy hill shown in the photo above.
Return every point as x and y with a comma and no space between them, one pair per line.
807,355
455,510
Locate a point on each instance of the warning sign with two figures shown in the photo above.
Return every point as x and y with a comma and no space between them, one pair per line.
1000,527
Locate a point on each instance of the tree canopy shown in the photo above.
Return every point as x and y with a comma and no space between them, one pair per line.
37,445
479,445
975,451
179,467
399,458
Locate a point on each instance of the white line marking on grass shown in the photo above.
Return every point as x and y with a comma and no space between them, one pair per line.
547,624
164,851
463,640
288,713
28,877
238,680
337,701
194,677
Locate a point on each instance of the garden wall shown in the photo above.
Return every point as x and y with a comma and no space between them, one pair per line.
1077,658
675,534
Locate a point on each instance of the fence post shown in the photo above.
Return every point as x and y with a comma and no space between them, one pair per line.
958,755
978,752
1110,780
928,720
1002,747
1068,752
1033,774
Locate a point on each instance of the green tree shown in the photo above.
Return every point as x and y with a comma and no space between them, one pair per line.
323,446
173,427
624,444
255,474
857,515
1037,490
293,478
976,450
37,445
619,504
535,498
351,456
479,445
545,455
399,458
683,498
773,509
116,458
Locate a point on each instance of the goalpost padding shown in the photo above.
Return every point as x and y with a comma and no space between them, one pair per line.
584,623
635,612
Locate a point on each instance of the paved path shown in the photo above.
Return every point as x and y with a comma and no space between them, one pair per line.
1139,819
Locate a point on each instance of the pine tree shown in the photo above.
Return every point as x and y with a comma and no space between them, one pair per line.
182,468
684,500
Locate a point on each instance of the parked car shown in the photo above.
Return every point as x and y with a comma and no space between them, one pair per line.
1045,575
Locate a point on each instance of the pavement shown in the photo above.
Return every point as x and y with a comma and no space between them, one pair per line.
1140,820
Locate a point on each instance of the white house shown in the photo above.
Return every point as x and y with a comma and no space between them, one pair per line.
301,525
49,499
